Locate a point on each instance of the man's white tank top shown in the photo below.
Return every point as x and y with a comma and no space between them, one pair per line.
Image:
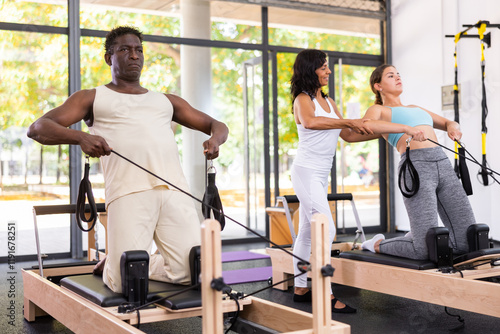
317,147
138,126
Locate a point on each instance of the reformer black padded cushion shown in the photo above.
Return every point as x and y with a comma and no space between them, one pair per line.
390,260
92,287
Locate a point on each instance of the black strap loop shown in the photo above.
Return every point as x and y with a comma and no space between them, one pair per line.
464,171
85,191
211,199
408,170
481,27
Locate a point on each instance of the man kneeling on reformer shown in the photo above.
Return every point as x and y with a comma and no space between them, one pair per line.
437,190
129,119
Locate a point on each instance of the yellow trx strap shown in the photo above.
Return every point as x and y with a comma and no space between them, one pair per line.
455,94
481,28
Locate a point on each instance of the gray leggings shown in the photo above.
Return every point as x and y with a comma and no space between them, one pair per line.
440,192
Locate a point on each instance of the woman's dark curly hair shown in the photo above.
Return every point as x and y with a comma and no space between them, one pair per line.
117,32
304,77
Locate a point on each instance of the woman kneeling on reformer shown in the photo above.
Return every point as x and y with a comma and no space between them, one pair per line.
439,189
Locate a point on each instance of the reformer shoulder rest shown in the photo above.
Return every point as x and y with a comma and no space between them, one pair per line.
92,288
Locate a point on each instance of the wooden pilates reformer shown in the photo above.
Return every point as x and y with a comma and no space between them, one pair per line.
45,293
473,288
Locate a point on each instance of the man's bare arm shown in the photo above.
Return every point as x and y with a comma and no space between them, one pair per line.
53,127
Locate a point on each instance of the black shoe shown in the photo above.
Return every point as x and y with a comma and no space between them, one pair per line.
306,297
345,309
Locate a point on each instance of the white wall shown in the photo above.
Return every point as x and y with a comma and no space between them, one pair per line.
424,57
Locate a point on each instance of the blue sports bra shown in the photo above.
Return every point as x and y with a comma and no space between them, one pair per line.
411,116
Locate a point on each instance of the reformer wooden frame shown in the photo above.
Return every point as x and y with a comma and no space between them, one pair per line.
431,286
43,297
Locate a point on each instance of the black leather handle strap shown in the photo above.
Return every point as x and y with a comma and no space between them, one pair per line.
85,192
464,171
408,179
211,199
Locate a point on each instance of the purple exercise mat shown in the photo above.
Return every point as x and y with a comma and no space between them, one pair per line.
247,275
242,256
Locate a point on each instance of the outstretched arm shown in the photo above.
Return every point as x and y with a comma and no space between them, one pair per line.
53,127
382,127
442,123
352,137
192,118
375,122
303,109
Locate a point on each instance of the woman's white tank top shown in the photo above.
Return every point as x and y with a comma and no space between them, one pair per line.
317,147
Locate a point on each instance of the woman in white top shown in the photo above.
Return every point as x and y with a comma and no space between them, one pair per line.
319,125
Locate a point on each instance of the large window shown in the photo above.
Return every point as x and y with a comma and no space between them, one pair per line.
317,30
47,13
151,22
250,93
236,22
34,71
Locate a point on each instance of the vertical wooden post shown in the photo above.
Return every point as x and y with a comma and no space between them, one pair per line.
320,256
211,267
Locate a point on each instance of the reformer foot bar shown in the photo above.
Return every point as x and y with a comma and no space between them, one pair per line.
83,303
418,280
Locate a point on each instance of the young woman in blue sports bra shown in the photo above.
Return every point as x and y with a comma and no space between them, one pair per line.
440,190
319,124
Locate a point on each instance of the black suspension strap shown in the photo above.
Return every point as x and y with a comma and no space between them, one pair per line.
463,170
85,192
481,28
408,179
456,106
474,160
484,39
